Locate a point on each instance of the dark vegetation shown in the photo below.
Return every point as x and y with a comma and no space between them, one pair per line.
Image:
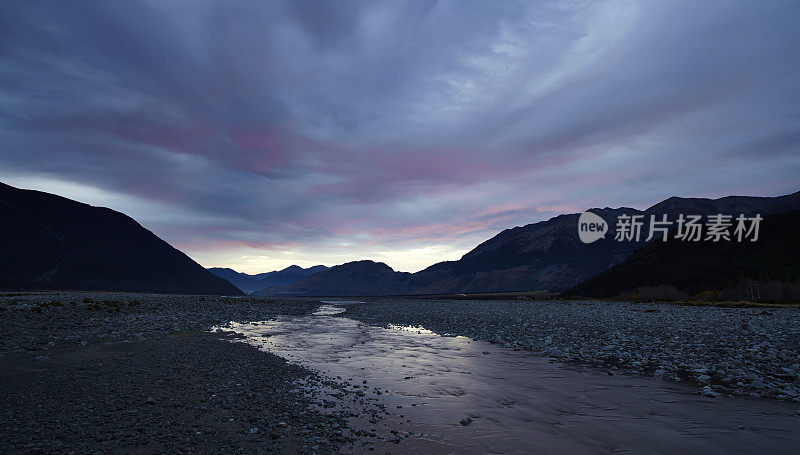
764,271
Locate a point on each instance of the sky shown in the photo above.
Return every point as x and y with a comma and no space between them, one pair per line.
260,134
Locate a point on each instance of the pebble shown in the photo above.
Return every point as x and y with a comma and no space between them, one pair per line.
709,392
753,352
153,373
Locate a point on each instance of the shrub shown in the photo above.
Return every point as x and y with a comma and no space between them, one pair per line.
662,293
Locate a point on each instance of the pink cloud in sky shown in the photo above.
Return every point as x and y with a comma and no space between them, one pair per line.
288,133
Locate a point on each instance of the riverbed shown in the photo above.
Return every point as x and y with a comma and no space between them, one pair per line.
452,394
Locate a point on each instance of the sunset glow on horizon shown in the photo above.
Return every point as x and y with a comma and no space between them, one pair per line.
260,135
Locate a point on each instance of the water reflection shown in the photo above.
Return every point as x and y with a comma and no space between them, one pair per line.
340,302
518,403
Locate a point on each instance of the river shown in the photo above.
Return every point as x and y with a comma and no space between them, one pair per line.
517,402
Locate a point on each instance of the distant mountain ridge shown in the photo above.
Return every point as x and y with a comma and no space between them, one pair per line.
250,283
352,278
51,242
547,255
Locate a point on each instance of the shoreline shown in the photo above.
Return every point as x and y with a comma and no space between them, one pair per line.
138,373
143,373
725,351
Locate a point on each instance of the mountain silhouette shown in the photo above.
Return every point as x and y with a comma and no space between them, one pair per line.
51,242
694,267
547,255
250,283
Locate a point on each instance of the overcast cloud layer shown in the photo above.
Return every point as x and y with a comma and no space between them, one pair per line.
260,134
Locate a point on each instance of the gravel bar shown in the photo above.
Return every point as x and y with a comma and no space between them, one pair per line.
725,351
138,373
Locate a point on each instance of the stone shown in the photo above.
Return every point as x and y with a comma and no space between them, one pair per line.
709,392
791,374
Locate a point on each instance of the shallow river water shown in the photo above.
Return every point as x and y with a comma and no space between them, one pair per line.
518,402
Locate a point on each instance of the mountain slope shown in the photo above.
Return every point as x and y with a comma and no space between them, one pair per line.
693,267
547,255
251,283
50,242
352,278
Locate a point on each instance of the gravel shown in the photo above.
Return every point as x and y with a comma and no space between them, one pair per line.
726,351
135,373
31,322
122,373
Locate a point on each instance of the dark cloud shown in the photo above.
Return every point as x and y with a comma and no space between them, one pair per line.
340,128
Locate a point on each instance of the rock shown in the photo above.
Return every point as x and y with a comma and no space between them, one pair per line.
788,373
557,353
709,392
704,378
465,421
758,385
